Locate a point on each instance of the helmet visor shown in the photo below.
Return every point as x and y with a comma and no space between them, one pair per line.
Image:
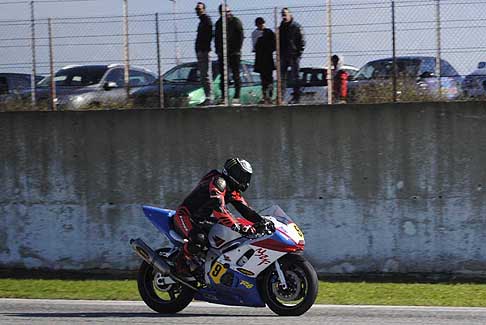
245,178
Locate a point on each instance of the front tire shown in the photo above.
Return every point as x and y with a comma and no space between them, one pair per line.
160,297
301,291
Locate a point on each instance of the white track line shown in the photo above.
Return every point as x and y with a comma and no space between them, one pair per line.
208,305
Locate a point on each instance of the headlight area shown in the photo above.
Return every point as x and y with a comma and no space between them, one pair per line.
196,97
76,101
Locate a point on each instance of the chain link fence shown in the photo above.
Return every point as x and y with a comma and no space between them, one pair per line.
390,51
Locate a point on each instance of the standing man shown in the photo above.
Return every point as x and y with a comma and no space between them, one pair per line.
292,44
203,47
264,46
234,32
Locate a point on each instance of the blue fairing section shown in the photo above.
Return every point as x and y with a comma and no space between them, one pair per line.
243,292
161,219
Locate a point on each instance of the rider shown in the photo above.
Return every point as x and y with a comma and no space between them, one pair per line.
210,196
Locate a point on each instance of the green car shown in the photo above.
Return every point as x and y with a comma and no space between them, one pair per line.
182,87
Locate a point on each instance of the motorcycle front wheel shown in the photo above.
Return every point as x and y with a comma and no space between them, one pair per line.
300,291
160,297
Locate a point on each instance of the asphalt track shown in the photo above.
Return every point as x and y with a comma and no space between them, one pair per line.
24,311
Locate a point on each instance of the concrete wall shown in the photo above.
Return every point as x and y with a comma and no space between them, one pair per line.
383,188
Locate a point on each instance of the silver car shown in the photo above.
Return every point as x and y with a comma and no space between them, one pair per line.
92,86
313,84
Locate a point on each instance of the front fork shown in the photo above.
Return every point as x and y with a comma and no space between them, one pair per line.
281,275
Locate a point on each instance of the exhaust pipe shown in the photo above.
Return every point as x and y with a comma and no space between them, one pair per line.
148,255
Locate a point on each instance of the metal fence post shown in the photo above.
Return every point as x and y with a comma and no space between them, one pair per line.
394,76
126,49
176,32
277,58
329,53
159,69
51,67
225,53
34,68
438,69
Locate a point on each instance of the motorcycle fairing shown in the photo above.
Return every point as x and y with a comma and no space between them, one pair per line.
242,291
162,220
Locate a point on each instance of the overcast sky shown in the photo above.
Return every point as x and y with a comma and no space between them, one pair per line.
362,32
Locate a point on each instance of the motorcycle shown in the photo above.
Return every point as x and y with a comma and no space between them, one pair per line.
264,269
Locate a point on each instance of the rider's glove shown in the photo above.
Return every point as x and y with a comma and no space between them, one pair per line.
248,230
270,226
236,227
265,226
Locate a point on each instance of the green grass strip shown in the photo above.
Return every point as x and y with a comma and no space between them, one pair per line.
340,293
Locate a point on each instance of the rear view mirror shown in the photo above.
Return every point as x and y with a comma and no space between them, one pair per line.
110,85
481,65
427,74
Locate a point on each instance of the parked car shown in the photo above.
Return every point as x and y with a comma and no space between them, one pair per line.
182,87
313,84
12,84
416,80
474,84
83,86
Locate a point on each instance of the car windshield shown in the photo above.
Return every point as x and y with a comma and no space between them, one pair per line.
76,77
277,212
384,69
187,73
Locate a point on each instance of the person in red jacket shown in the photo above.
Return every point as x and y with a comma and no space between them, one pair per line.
207,204
340,81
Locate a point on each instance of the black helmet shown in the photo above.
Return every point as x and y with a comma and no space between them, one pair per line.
237,173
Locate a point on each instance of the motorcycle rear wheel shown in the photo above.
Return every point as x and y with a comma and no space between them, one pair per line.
162,298
301,291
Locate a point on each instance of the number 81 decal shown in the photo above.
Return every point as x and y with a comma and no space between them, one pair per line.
299,232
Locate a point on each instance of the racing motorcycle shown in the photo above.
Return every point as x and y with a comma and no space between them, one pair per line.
263,269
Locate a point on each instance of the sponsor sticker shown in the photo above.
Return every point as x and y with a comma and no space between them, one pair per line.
246,284
245,271
261,253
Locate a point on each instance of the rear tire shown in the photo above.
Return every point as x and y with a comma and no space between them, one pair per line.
164,299
301,292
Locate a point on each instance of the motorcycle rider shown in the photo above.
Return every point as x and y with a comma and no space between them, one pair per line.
209,198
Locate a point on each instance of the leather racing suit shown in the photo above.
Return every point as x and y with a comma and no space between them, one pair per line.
207,203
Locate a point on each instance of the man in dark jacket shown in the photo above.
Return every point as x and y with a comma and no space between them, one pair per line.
207,204
235,36
203,47
292,44
264,46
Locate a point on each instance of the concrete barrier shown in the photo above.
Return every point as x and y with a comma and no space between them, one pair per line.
381,189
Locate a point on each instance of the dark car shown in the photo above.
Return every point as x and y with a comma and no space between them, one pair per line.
182,87
12,84
474,84
416,80
86,86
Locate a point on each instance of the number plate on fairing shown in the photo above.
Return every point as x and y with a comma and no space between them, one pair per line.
217,271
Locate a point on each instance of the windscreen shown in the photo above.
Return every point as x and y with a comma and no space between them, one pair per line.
76,77
277,212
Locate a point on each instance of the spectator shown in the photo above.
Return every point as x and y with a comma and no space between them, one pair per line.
234,32
339,81
203,47
292,44
264,46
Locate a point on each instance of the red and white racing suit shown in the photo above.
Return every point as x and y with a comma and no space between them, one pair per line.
210,197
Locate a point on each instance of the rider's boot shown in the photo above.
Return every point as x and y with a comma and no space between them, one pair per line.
181,265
